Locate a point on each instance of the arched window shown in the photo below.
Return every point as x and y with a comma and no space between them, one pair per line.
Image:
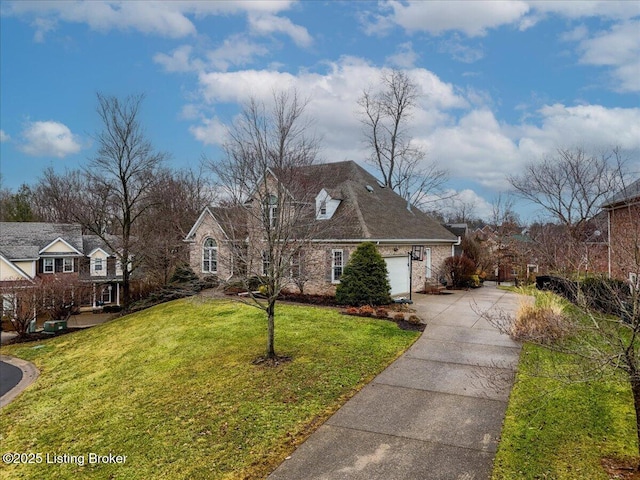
210,256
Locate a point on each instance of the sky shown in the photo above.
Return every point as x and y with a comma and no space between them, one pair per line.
501,83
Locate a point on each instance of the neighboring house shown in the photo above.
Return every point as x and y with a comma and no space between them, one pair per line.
29,250
510,254
623,214
350,208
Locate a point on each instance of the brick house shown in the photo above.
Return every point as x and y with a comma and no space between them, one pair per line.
29,250
347,207
623,214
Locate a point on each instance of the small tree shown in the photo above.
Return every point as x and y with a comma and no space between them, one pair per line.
364,280
268,216
21,303
459,270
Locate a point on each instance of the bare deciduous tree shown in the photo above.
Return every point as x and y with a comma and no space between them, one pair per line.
605,335
385,115
177,199
110,196
270,202
570,187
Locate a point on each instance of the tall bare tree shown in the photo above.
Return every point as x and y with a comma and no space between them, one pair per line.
570,187
120,178
385,114
269,199
177,199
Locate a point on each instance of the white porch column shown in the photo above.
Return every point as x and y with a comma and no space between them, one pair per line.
94,294
118,294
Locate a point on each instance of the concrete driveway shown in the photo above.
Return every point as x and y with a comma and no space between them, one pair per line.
435,413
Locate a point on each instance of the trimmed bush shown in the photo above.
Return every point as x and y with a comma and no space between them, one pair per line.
364,280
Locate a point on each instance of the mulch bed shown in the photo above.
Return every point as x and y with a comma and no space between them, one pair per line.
35,337
621,469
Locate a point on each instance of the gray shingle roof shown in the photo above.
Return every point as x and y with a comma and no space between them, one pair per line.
23,240
369,211
631,192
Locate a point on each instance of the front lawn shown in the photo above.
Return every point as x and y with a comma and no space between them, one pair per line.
563,430
174,389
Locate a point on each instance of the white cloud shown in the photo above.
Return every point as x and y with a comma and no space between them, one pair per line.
475,18
179,60
266,24
459,51
612,9
51,139
619,48
457,128
471,18
588,126
163,18
210,131
405,56
4,137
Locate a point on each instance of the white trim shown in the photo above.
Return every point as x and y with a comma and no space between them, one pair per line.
199,221
334,266
98,249
211,258
59,239
64,260
428,272
45,260
16,269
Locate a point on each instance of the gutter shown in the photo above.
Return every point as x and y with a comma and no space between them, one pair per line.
388,240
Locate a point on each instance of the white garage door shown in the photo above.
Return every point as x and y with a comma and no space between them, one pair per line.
398,270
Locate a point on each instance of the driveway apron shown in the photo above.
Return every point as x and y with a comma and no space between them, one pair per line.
435,413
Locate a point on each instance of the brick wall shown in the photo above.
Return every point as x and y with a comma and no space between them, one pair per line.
625,241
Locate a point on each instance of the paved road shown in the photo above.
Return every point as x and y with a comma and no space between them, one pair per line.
435,413
10,376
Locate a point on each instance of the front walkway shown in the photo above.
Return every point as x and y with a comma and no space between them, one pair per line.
435,413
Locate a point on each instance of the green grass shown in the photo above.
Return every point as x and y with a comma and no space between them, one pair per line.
561,430
174,389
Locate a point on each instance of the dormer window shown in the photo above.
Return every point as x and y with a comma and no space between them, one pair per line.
325,205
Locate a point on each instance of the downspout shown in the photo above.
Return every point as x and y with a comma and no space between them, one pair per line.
454,245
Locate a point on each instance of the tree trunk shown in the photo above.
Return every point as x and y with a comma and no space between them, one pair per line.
271,353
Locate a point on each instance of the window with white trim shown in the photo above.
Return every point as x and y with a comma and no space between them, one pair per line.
210,256
337,265
48,265
97,264
67,265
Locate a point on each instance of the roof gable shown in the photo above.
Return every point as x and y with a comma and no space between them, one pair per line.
25,240
7,266
59,246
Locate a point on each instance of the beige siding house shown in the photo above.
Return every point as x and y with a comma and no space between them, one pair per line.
347,207
32,249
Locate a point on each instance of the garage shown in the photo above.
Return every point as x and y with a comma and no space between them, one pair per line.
398,272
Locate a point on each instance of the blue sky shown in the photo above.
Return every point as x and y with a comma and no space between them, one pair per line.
503,83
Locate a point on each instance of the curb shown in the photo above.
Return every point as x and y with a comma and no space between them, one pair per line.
29,375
